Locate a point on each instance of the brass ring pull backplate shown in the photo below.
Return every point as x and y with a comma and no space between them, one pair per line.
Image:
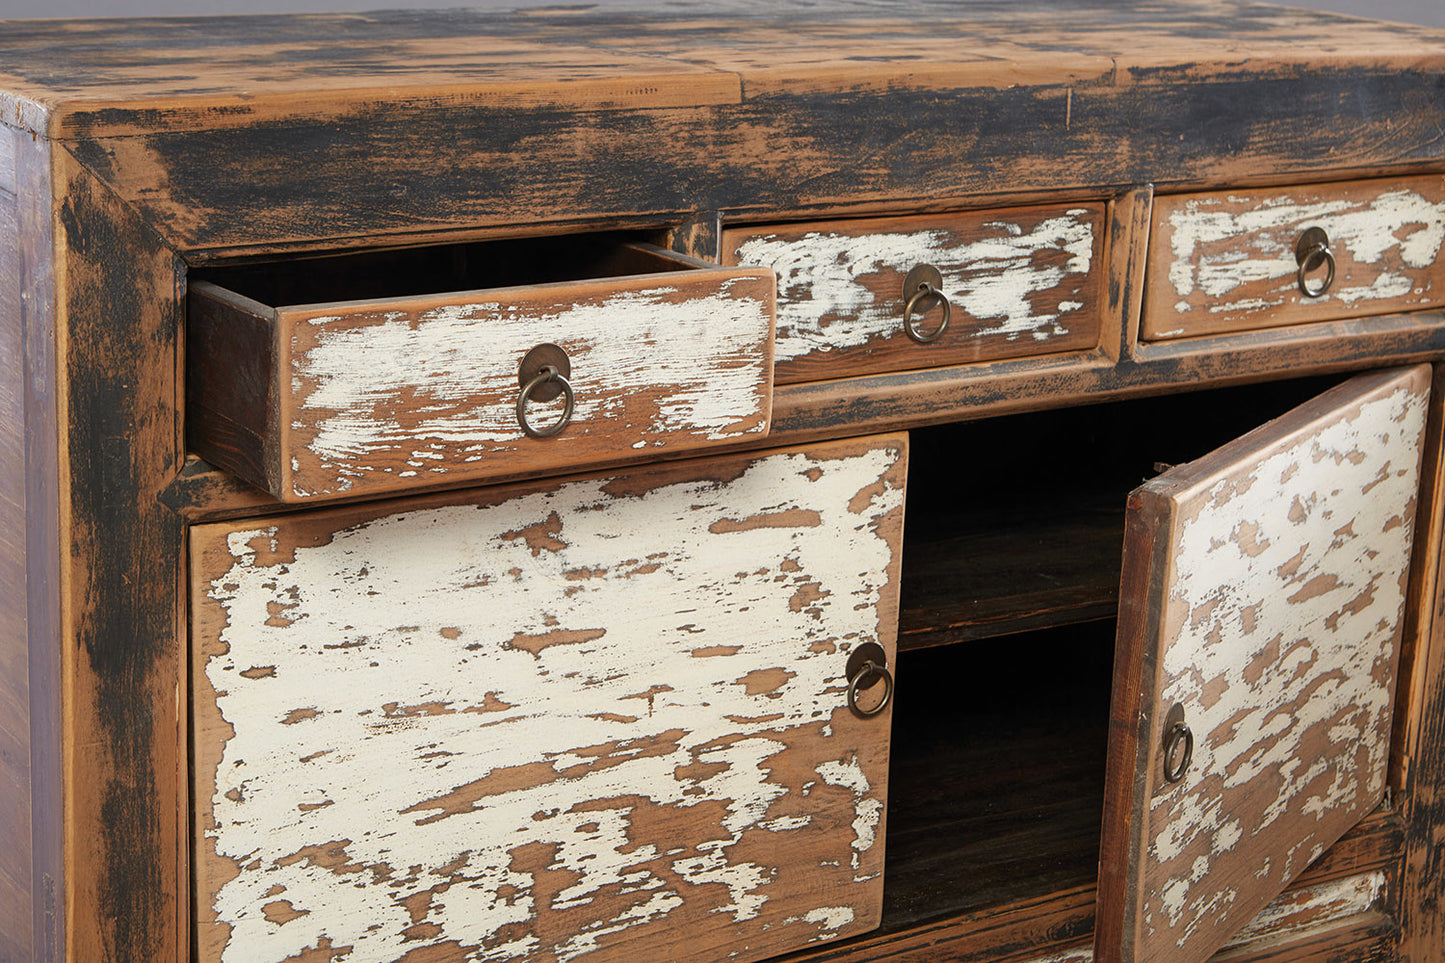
867,666
543,376
1311,251
1178,745
922,289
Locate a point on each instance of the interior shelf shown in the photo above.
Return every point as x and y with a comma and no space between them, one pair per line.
997,773
1017,523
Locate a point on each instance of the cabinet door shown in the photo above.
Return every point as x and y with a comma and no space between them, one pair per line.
1259,627
600,718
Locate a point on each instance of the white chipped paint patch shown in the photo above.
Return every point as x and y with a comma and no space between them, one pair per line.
1313,906
1208,256
641,361
824,306
1288,594
569,703
1293,912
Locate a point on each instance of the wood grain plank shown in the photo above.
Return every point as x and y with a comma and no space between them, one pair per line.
121,631
1282,650
1419,733
599,716
1227,261
1020,282
1130,215
496,167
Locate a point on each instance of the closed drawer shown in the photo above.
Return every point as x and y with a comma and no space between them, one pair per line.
659,353
1018,283
601,718
1242,260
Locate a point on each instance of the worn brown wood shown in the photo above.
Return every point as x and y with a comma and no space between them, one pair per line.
1116,95
353,396
118,343
1019,282
586,741
1129,219
935,396
1229,261
1422,732
1286,558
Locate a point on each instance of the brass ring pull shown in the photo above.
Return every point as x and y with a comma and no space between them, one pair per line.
1178,745
868,672
1311,251
925,290
924,287
549,375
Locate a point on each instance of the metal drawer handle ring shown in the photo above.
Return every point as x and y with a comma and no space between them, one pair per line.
548,374
1313,250
1178,735
867,672
926,291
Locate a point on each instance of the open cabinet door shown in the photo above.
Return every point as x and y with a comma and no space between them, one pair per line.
1259,626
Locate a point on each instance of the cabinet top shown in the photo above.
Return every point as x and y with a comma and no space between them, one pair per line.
98,78
268,133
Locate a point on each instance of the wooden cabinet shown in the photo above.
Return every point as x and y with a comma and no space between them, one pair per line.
470,491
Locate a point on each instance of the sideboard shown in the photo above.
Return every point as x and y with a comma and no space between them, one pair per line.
823,481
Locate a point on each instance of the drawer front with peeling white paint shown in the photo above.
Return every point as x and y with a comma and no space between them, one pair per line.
1020,282
368,396
1262,596
1228,261
601,718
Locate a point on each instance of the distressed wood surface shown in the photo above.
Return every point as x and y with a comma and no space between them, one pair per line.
602,718
121,633
1021,282
1275,573
374,396
1292,914
1226,261
1419,738
681,106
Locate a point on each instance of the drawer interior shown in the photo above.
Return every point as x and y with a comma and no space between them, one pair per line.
413,271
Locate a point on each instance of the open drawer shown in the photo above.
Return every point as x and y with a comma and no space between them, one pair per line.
607,717
363,373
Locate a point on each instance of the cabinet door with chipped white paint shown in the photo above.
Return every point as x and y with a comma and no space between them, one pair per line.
1019,282
1230,261
601,718
1260,609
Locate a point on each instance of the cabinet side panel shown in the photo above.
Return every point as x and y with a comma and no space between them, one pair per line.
15,848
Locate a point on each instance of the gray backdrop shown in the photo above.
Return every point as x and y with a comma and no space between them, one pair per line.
1430,12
